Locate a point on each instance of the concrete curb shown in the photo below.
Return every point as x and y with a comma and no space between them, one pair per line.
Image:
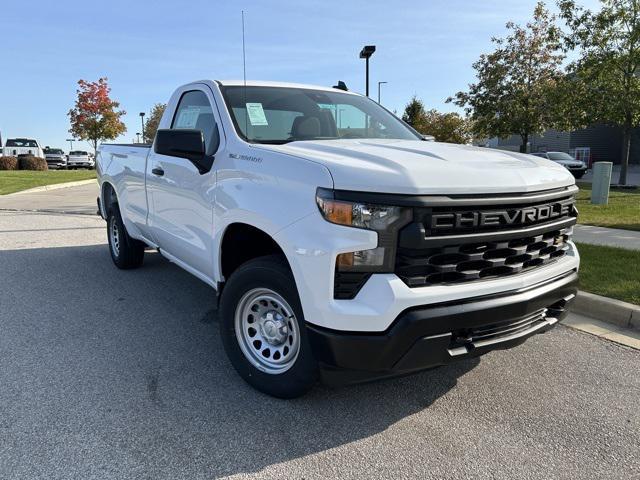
55,186
616,312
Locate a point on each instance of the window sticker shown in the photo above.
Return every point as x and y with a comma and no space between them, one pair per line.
256,114
188,117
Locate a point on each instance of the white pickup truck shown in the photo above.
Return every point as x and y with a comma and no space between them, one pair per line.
342,246
23,146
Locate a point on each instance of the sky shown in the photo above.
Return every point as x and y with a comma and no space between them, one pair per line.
148,48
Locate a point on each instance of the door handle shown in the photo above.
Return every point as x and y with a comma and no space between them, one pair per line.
157,171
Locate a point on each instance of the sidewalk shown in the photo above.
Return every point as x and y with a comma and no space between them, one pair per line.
79,199
611,237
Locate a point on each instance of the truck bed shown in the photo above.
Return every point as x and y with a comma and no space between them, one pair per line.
126,165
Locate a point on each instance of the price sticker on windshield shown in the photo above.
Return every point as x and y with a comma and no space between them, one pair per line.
256,114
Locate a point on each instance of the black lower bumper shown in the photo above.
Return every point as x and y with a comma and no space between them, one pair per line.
433,335
578,172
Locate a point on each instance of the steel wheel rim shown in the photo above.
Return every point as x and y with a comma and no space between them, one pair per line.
267,331
114,234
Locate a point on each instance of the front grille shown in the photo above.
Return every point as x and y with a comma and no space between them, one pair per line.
461,263
447,245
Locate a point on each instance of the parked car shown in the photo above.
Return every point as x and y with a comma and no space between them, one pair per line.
79,159
55,158
577,167
339,251
22,146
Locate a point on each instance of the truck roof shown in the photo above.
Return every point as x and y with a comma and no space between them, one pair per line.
259,83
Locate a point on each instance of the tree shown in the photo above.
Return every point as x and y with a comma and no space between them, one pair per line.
95,116
447,127
607,72
414,113
151,125
516,84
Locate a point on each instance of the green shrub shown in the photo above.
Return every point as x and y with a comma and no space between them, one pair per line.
32,163
8,163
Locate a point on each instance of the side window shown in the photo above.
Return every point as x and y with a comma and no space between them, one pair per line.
194,112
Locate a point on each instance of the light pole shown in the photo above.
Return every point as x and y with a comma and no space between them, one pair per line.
71,140
380,83
366,53
142,121
339,117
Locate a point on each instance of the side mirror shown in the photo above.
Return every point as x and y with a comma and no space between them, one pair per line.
185,143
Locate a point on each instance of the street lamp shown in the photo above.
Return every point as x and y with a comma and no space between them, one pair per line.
380,83
138,135
142,121
366,53
71,140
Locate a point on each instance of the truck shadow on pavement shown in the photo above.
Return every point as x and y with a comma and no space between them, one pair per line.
126,373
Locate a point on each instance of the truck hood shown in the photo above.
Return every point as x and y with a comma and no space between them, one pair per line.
417,167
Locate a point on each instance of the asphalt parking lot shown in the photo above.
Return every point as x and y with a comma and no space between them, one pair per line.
121,374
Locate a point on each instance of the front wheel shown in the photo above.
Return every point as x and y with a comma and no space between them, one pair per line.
126,252
263,330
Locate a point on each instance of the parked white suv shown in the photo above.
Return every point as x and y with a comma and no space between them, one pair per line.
342,246
79,159
55,158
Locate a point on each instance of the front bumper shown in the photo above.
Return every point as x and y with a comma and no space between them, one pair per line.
56,164
428,336
312,245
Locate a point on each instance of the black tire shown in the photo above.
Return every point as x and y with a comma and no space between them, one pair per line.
579,174
126,252
272,273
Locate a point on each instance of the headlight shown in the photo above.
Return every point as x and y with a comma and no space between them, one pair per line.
385,220
360,215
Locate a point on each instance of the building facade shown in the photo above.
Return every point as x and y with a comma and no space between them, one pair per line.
604,143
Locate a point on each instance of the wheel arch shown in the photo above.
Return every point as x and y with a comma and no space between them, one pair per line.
241,242
108,197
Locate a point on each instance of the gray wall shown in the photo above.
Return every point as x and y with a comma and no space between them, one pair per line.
604,141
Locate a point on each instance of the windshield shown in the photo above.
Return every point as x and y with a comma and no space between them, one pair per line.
77,153
54,151
279,115
21,142
560,156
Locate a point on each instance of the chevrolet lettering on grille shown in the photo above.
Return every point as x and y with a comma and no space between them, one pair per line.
507,217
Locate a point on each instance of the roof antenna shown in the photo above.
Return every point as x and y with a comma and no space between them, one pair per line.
244,75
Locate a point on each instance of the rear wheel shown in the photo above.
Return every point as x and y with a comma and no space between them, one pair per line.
263,330
126,252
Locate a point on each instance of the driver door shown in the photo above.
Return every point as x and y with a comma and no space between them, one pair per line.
181,194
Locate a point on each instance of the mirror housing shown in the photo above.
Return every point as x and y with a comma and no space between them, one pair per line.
183,143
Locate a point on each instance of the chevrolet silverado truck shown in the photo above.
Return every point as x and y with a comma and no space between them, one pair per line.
23,146
342,246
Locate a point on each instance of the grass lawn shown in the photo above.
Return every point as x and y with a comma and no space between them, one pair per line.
623,210
611,272
15,180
